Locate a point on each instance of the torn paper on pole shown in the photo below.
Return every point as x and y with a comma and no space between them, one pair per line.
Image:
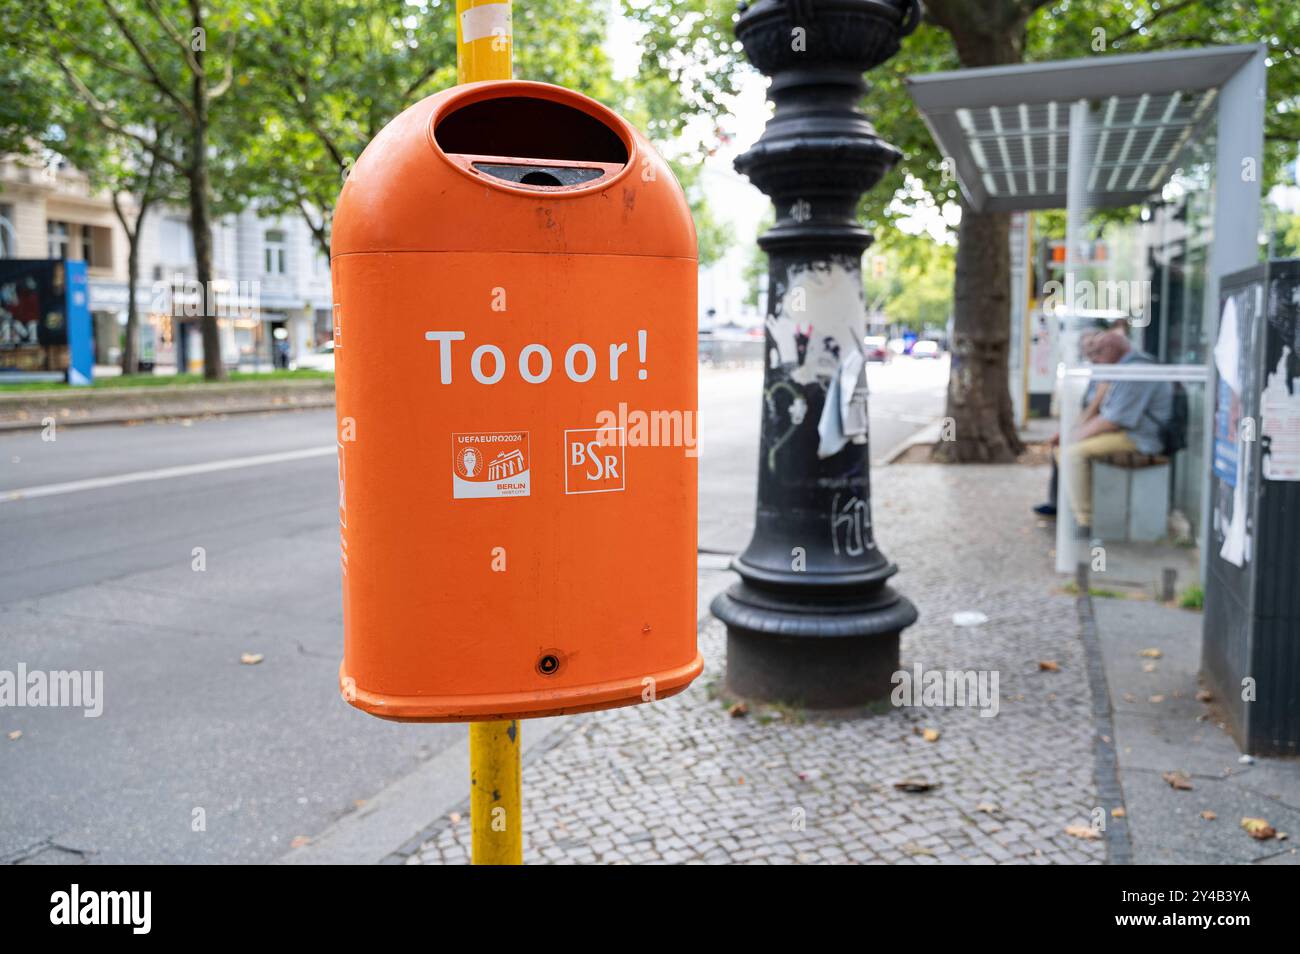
844,415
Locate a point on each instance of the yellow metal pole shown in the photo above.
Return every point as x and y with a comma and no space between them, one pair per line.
483,40
494,796
483,52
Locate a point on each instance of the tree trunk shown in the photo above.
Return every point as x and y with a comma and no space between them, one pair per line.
214,368
979,407
981,425
131,343
319,231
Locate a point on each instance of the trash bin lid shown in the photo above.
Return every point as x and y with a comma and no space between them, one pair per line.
512,166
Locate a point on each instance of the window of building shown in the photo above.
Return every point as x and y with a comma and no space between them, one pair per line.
176,241
273,252
97,246
57,238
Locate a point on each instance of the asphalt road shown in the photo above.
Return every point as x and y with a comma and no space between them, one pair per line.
197,757
906,395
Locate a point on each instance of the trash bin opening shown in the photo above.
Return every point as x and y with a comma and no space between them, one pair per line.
529,128
542,175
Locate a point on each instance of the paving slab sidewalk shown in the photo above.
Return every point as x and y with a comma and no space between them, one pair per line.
1162,727
685,781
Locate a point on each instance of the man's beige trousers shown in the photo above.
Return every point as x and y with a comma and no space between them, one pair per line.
1077,468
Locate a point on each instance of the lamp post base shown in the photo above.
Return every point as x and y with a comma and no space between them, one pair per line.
813,653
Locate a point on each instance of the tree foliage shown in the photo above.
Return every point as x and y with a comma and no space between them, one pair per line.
311,82
297,88
327,76
916,288
1070,29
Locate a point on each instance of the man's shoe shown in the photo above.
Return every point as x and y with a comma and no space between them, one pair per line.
1046,510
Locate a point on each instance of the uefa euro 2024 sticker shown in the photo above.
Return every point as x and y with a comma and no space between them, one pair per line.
490,464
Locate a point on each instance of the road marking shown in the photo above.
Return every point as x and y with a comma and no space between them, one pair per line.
163,473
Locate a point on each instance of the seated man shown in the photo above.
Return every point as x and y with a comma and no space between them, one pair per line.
1129,418
1092,399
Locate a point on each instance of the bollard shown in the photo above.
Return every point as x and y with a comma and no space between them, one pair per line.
1168,584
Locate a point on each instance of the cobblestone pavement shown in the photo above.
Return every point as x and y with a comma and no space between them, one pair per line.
685,781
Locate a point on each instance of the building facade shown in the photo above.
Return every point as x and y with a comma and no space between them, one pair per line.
48,210
270,288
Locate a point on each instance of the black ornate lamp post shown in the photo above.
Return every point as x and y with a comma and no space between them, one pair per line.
812,621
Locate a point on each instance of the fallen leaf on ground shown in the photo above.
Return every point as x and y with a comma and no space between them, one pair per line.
1048,665
1208,815
1204,695
455,818
1179,780
988,808
251,659
1118,813
1086,832
1151,654
299,841
1258,829
1156,698
930,735
912,848
15,735
914,785
738,710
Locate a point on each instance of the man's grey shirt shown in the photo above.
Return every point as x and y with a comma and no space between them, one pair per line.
1140,407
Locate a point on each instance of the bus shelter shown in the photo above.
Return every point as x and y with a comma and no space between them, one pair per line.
1156,160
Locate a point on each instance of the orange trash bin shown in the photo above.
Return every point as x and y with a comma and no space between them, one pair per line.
514,274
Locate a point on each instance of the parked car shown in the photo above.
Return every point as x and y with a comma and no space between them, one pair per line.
926,349
875,349
322,359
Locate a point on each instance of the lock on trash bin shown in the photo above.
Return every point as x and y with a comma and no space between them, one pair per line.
514,275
